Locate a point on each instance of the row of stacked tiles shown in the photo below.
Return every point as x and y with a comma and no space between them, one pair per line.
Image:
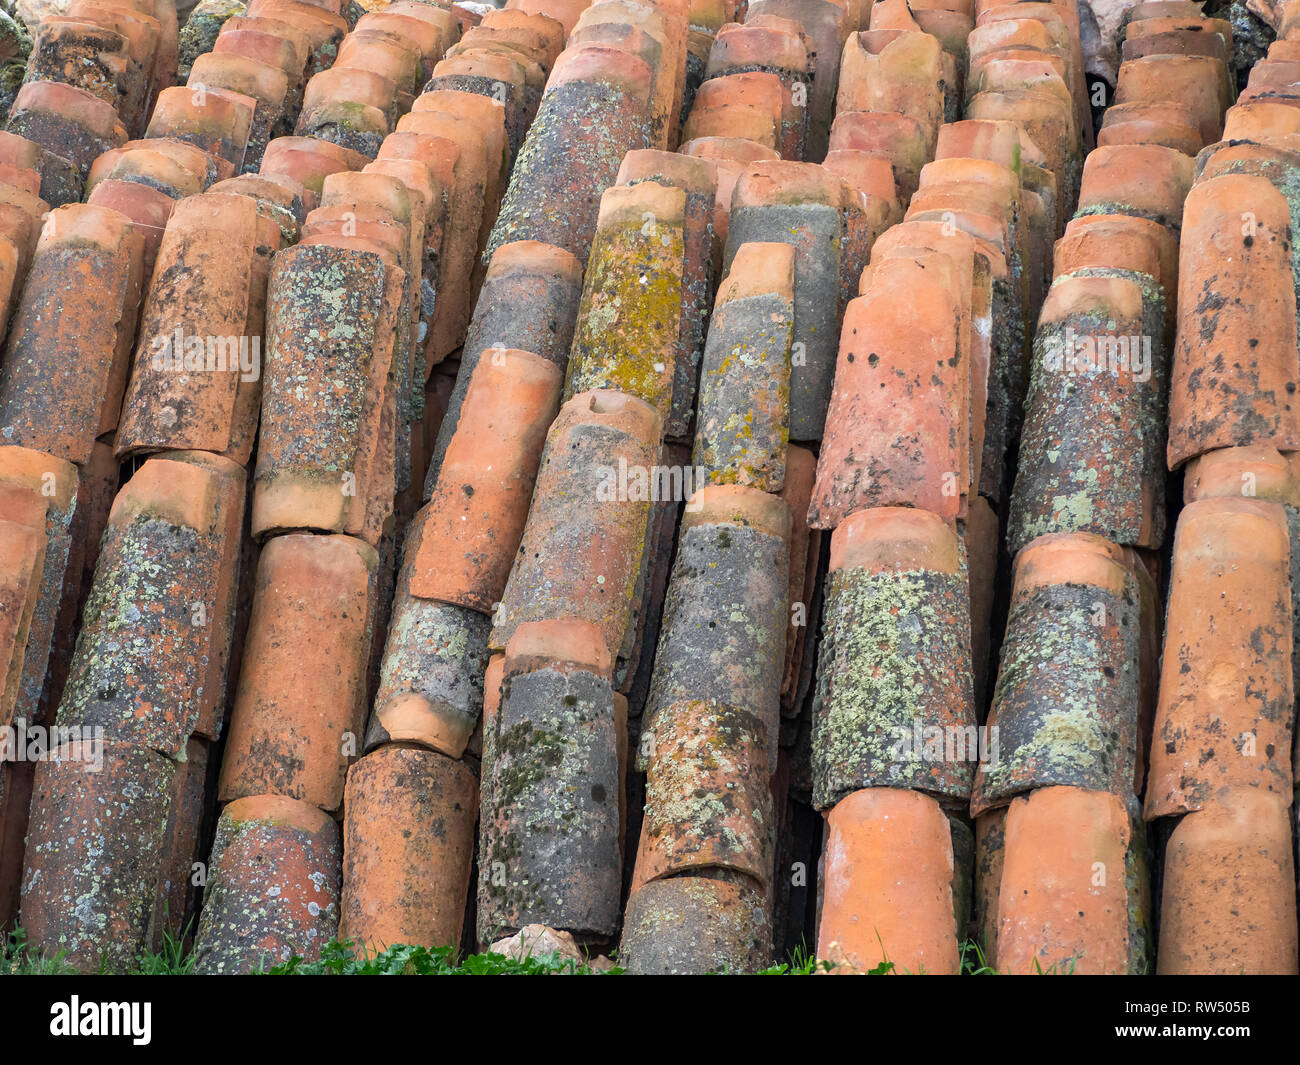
920,430
364,235
702,884
1077,688
1133,290
1221,774
504,441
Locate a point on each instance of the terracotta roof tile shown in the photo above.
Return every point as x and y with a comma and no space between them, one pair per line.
220,125
889,872
629,319
580,511
487,117
22,561
53,561
1066,706
1149,181
60,180
748,105
875,691
565,713
349,107
190,158
475,169
268,85
891,70
527,60
295,724
407,845
730,157
541,34
1228,904
529,302
1219,634
1196,82
62,409
325,30
94,896
1066,903
687,925
669,68
170,552
708,794
280,200
1094,464
776,50
743,423
386,53
898,425
698,179
899,138
565,12
827,26
799,204
197,374
269,41
480,501
95,58
431,684
67,121
156,170
1249,349
596,108
273,886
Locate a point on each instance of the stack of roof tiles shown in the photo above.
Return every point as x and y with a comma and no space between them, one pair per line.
1220,780
344,315
1062,883
911,472
413,330
383,274
73,280
570,613
1061,866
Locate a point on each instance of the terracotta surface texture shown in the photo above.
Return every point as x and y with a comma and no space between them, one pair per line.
683,486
